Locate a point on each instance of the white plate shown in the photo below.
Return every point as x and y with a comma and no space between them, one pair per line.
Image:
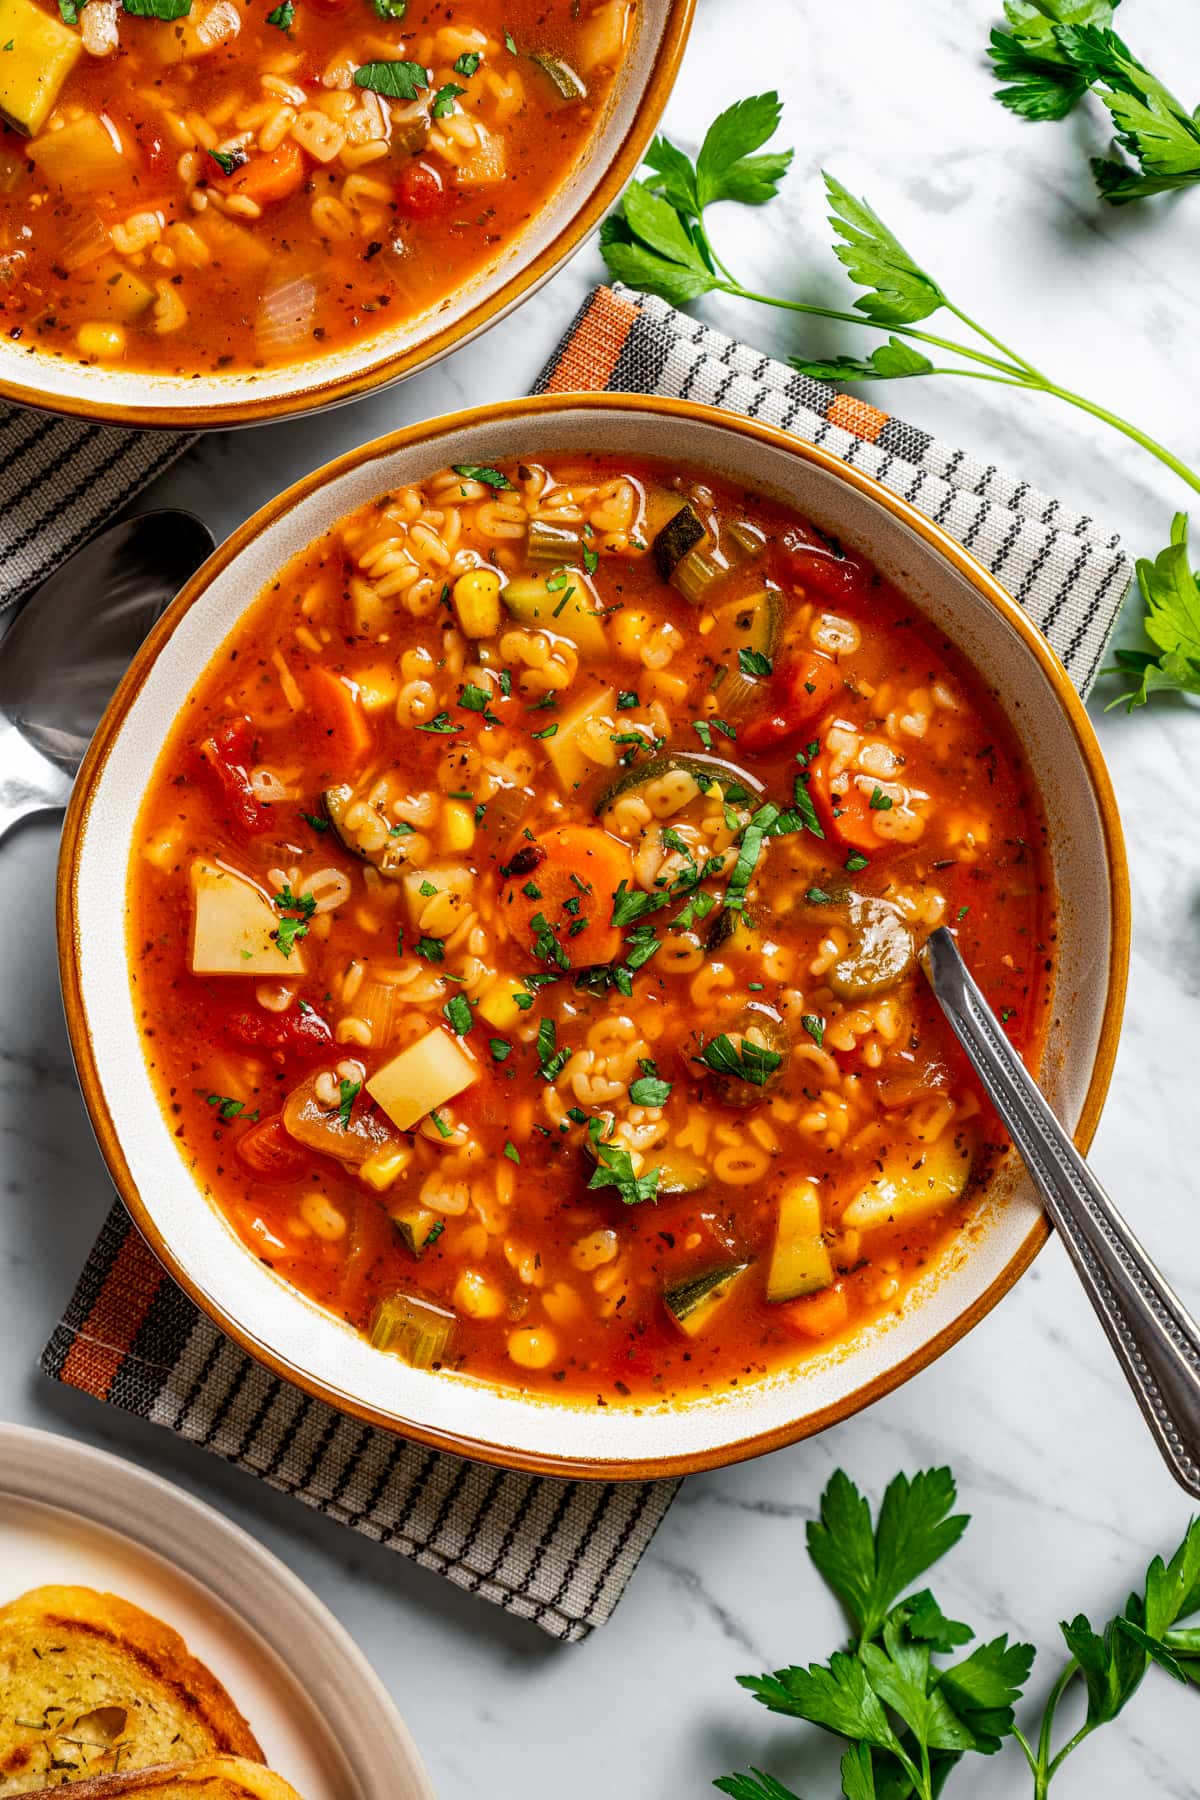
317,1707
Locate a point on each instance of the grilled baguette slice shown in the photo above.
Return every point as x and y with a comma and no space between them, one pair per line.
212,1778
90,1684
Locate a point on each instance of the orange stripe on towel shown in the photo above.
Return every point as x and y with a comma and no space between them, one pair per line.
594,349
105,1337
856,416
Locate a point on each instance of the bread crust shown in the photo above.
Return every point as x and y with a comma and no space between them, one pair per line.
213,1778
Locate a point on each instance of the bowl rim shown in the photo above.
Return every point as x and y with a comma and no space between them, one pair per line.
71,950
390,367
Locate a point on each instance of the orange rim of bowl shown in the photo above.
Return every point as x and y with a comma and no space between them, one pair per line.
70,949
395,365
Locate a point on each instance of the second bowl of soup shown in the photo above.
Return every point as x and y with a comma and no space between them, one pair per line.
522,1040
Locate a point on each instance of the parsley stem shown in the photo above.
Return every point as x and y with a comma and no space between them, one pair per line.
1143,438
994,341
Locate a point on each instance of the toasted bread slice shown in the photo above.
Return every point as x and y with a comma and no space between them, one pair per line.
212,1778
90,1684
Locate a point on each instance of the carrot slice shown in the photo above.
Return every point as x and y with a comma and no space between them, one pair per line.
846,814
271,178
566,880
339,719
817,1315
270,1152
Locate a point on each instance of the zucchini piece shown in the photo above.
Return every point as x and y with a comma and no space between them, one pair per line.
389,859
569,608
914,1182
568,83
414,1224
764,1028
881,951
800,1263
423,1077
703,769
695,1302
681,533
569,760
39,54
735,928
755,623
80,157
415,1330
553,544
679,1172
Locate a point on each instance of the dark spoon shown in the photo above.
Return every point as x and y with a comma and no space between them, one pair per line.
73,639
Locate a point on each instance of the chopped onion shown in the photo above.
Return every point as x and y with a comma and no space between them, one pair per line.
98,27
283,326
221,22
89,241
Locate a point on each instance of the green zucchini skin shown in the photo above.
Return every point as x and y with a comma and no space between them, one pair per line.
696,763
681,533
391,859
691,1303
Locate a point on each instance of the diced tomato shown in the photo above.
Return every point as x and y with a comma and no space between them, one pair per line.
420,190
799,693
267,179
846,814
271,1153
804,559
302,1031
226,758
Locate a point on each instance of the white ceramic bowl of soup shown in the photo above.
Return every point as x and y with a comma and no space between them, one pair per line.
310,1347
521,263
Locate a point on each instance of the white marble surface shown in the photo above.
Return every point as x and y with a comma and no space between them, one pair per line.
1067,1492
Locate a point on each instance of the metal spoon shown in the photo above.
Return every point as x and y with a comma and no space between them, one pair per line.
1156,1340
65,652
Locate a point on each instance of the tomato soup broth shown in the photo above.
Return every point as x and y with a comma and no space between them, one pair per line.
523,926
225,186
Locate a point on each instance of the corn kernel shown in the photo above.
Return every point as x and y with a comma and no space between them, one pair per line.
383,1169
100,340
476,1296
377,688
458,825
532,1347
477,602
498,1004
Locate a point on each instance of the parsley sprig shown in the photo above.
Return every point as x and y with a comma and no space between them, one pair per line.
907,1705
1058,51
658,240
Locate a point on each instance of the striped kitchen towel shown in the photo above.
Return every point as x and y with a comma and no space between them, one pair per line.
558,1553
61,480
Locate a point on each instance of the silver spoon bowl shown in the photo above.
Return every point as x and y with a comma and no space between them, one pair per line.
68,647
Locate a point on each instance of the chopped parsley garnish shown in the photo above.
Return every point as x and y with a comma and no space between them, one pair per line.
818,897
547,731
545,944
961,913
703,732
457,1011
390,9
475,699
753,662
748,854
317,823
615,1169
440,1125
427,890
481,472
283,15
152,9
297,910
431,948
228,160
626,700
814,1024
855,861
500,1048
650,1089
403,829
467,64
744,1059
532,891
630,905
399,80
591,560
879,801
512,1153
551,1060
509,44
443,100
443,722
434,1233
348,1092
229,1109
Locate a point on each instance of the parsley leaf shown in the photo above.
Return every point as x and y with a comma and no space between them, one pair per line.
457,1011
615,1169
443,100
887,362
348,1092
1172,595
157,9
753,662
283,15
400,80
744,1059
551,1060
297,910
468,63
650,1089
875,258
648,244
869,1567
480,472
229,1109
1043,83
390,9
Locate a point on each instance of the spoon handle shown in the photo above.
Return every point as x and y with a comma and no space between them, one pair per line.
1156,1340
28,783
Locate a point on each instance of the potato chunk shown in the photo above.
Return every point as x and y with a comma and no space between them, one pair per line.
424,1076
913,1183
232,926
39,53
81,157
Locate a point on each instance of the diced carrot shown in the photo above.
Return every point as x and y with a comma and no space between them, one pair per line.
567,880
846,813
340,720
817,1315
798,695
271,178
